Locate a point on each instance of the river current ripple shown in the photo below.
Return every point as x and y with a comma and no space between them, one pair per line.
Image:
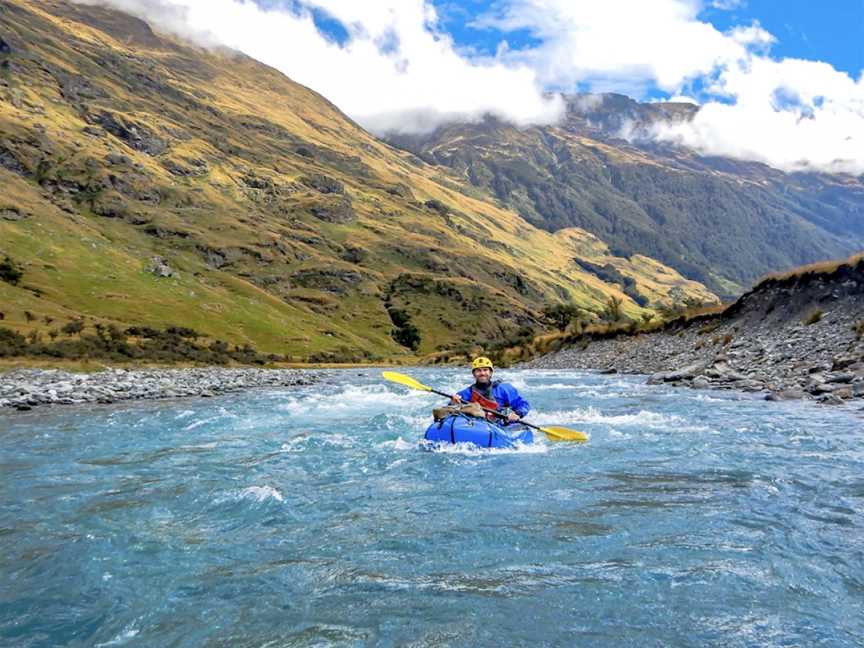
312,517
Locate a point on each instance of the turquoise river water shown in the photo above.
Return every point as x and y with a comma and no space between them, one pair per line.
312,517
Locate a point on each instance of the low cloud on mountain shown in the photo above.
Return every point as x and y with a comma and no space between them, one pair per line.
394,68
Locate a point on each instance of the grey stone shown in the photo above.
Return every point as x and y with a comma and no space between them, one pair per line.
786,394
160,267
12,214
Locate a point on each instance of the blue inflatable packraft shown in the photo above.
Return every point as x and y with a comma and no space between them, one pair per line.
480,432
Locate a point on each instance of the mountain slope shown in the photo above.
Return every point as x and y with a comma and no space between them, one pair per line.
150,182
720,221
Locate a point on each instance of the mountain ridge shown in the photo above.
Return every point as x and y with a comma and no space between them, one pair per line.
152,182
719,220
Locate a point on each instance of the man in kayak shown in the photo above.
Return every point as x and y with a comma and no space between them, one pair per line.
497,395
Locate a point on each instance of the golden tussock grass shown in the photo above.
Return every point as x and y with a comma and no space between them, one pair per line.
820,267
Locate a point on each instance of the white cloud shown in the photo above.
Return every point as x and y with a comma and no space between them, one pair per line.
791,114
727,5
396,72
399,71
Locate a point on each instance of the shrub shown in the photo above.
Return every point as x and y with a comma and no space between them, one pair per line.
612,311
183,332
814,316
9,272
405,332
142,332
74,327
11,342
438,206
561,315
858,328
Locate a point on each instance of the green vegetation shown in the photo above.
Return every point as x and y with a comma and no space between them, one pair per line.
171,345
405,332
9,272
561,315
612,311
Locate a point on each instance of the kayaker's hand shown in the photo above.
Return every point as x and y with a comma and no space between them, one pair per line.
456,398
513,417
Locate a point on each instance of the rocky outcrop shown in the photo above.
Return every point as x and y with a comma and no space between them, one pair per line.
335,211
12,214
323,184
801,337
136,135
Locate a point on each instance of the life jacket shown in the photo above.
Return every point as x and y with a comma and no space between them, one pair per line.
488,403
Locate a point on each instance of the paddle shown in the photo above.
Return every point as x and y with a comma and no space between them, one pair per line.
553,432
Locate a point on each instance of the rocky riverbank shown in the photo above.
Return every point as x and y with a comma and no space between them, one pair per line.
24,389
801,337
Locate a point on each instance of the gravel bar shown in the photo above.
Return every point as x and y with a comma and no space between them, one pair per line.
24,389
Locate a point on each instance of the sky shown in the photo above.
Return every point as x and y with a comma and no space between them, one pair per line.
777,82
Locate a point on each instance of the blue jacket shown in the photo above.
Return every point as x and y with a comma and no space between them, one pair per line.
505,395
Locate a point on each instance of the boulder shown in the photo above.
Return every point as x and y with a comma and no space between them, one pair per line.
118,159
12,214
841,378
700,382
160,267
785,394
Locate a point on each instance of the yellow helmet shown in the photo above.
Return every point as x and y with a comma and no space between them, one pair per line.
481,362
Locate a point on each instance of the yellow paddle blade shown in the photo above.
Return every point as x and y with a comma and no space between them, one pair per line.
402,379
565,434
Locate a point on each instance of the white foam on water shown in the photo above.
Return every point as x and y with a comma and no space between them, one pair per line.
643,418
296,443
200,446
222,414
261,493
354,399
337,439
184,414
473,450
398,444
200,422
124,636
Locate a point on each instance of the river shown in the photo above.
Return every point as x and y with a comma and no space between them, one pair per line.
313,517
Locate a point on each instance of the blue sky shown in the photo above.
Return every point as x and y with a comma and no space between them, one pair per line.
831,31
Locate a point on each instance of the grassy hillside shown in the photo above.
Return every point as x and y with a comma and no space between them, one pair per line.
149,182
720,221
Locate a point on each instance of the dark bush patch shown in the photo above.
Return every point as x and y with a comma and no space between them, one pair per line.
438,206
562,314
9,272
405,332
73,328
